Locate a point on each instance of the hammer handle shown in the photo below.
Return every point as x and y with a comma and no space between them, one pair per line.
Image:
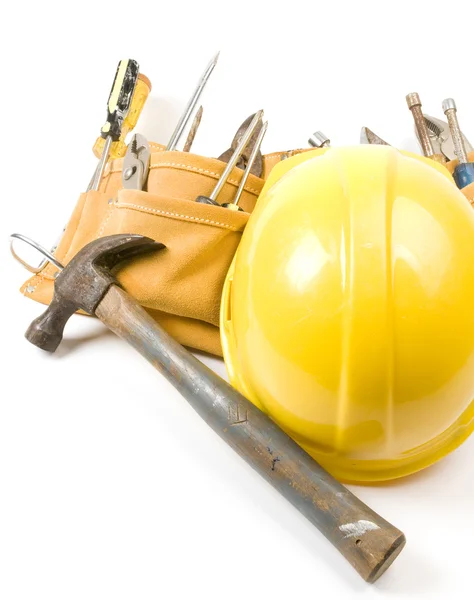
364,538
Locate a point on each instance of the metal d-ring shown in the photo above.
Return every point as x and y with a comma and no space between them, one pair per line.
49,257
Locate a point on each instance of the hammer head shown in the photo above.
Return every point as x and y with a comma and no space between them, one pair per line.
83,283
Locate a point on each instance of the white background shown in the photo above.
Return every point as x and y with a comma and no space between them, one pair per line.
110,486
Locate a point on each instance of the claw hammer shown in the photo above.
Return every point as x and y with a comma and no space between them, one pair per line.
366,540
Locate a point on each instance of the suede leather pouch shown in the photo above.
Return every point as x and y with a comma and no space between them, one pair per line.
181,285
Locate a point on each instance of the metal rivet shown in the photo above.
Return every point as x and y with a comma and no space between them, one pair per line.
111,201
129,172
30,289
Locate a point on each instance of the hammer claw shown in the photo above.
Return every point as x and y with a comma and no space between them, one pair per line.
129,252
83,284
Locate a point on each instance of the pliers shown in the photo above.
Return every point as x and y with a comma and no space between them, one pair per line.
441,139
136,163
257,166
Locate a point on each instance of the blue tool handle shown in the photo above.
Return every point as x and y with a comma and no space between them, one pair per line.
464,175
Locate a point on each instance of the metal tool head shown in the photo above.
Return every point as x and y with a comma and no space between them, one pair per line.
193,130
441,137
83,283
413,99
319,140
136,163
367,136
257,167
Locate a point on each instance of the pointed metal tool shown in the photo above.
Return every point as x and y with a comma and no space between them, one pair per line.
193,130
192,103
367,136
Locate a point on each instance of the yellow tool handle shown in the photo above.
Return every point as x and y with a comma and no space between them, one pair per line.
140,95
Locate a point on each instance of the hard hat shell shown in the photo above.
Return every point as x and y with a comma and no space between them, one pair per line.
347,314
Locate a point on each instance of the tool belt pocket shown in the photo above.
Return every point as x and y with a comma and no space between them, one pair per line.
181,285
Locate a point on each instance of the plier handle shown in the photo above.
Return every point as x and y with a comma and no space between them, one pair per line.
441,138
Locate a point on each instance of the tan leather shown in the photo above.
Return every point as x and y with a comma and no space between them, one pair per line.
180,286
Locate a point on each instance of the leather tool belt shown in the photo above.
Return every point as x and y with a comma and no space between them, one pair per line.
181,286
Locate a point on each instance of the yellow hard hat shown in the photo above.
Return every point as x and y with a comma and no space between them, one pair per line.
347,314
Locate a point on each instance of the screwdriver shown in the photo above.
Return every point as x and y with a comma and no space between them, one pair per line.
120,99
319,140
212,198
118,149
234,205
414,104
188,111
464,172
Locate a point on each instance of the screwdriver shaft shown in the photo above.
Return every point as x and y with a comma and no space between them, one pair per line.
99,172
188,111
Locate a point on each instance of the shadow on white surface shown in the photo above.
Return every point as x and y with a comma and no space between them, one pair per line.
73,343
410,575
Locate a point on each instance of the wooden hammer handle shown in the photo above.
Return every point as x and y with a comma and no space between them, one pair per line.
364,538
